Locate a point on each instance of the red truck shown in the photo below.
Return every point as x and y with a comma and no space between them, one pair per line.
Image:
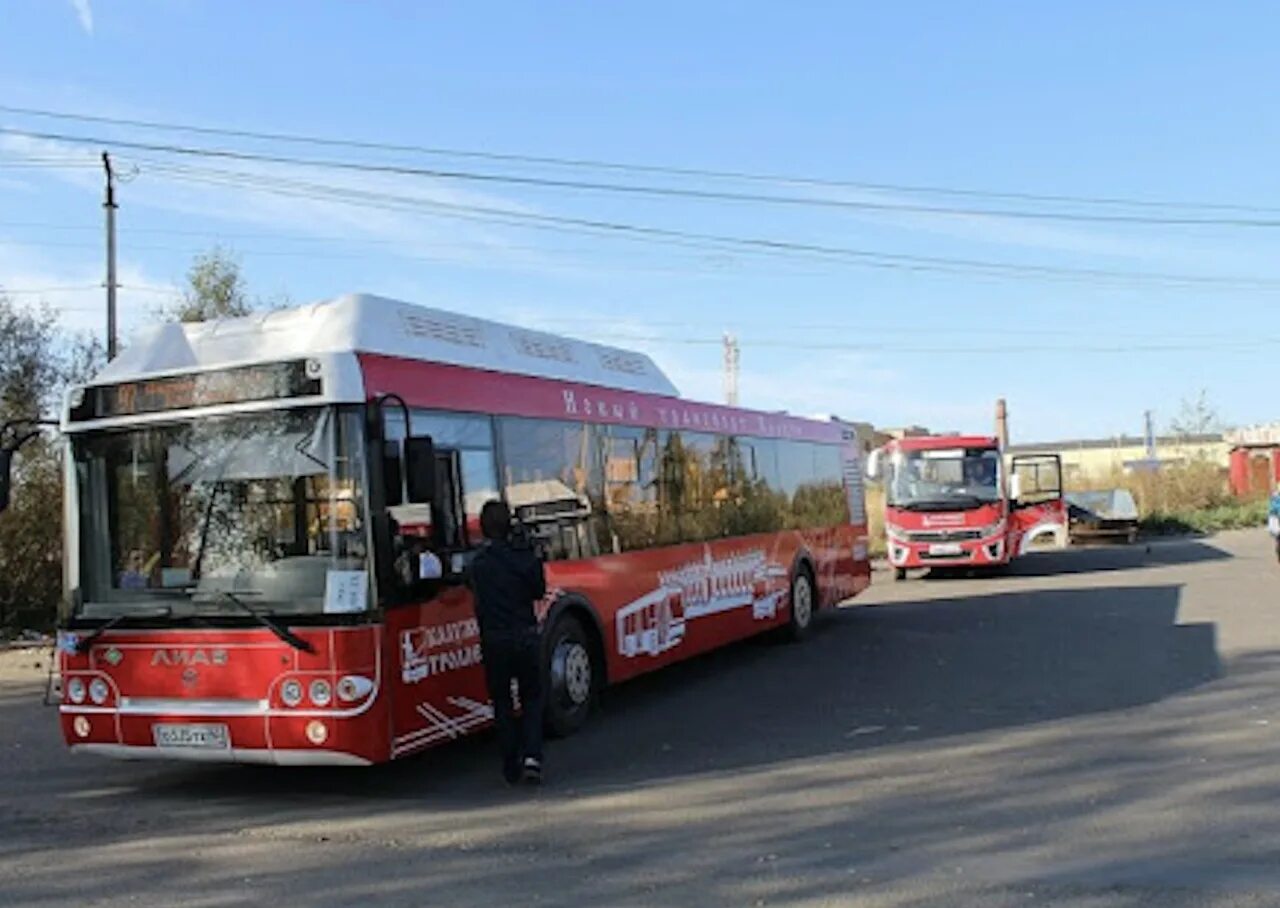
954,501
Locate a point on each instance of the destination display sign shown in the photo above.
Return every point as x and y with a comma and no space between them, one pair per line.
202,389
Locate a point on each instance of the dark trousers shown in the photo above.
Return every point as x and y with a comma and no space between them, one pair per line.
517,658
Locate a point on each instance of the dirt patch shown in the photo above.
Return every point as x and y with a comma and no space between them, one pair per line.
23,663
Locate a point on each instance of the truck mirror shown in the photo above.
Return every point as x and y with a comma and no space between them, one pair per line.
6,464
420,469
1015,487
873,463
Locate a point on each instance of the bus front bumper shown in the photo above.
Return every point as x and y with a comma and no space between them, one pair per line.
976,553
249,755
312,739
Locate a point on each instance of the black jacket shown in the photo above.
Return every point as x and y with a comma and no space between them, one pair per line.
507,580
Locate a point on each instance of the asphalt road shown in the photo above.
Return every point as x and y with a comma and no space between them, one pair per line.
1099,728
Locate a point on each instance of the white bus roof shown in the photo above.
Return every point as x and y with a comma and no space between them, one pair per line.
361,323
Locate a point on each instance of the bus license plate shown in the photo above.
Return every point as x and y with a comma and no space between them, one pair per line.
945,548
206,737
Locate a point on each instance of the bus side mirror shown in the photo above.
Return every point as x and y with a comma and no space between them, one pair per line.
392,473
420,469
6,464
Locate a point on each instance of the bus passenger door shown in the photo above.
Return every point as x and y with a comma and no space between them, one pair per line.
1036,507
438,676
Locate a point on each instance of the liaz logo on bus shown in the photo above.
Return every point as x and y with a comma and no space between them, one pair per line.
189,657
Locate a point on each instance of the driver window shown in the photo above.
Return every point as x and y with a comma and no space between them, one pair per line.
466,467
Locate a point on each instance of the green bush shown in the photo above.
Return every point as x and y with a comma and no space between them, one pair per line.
1231,516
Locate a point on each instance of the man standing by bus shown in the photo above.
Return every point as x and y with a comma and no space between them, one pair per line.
507,580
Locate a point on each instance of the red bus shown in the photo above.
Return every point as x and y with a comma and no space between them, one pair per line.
949,503
253,506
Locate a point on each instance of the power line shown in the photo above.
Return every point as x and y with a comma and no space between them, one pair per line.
654,169
655,191
717,243
867,258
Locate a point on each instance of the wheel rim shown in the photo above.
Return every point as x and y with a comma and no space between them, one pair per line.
802,601
571,672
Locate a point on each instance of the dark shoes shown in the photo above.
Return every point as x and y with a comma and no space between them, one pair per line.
532,774
511,772
529,772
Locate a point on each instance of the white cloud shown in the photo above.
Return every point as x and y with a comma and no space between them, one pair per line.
85,14
278,198
79,297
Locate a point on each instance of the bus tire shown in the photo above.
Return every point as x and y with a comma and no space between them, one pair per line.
572,677
804,604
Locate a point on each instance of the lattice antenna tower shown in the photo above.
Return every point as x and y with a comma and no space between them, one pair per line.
732,356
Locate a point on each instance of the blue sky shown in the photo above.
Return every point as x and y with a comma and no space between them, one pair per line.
1154,101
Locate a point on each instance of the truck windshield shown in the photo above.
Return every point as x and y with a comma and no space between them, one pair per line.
263,507
944,479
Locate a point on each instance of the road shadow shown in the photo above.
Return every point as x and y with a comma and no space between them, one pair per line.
868,678
872,684
1105,558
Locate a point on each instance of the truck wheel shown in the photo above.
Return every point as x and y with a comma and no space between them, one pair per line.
899,573
1278,549
571,679
803,605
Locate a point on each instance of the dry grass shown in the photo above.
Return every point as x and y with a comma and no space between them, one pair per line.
1187,497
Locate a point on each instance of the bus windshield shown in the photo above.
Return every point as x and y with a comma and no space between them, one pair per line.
194,516
944,479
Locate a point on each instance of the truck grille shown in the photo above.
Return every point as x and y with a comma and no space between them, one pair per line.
944,535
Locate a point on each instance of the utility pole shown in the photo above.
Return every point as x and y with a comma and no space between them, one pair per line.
110,206
731,357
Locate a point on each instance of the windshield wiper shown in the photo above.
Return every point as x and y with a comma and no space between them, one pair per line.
279,630
84,643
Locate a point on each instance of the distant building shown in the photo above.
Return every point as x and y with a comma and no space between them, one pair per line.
869,437
1098,458
905,432
1255,460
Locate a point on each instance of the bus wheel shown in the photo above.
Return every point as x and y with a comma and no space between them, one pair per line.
572,677
899,573
802,605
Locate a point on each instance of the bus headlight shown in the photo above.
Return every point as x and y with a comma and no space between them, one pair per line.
321,692
291,692
75,690
98,691
354,687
